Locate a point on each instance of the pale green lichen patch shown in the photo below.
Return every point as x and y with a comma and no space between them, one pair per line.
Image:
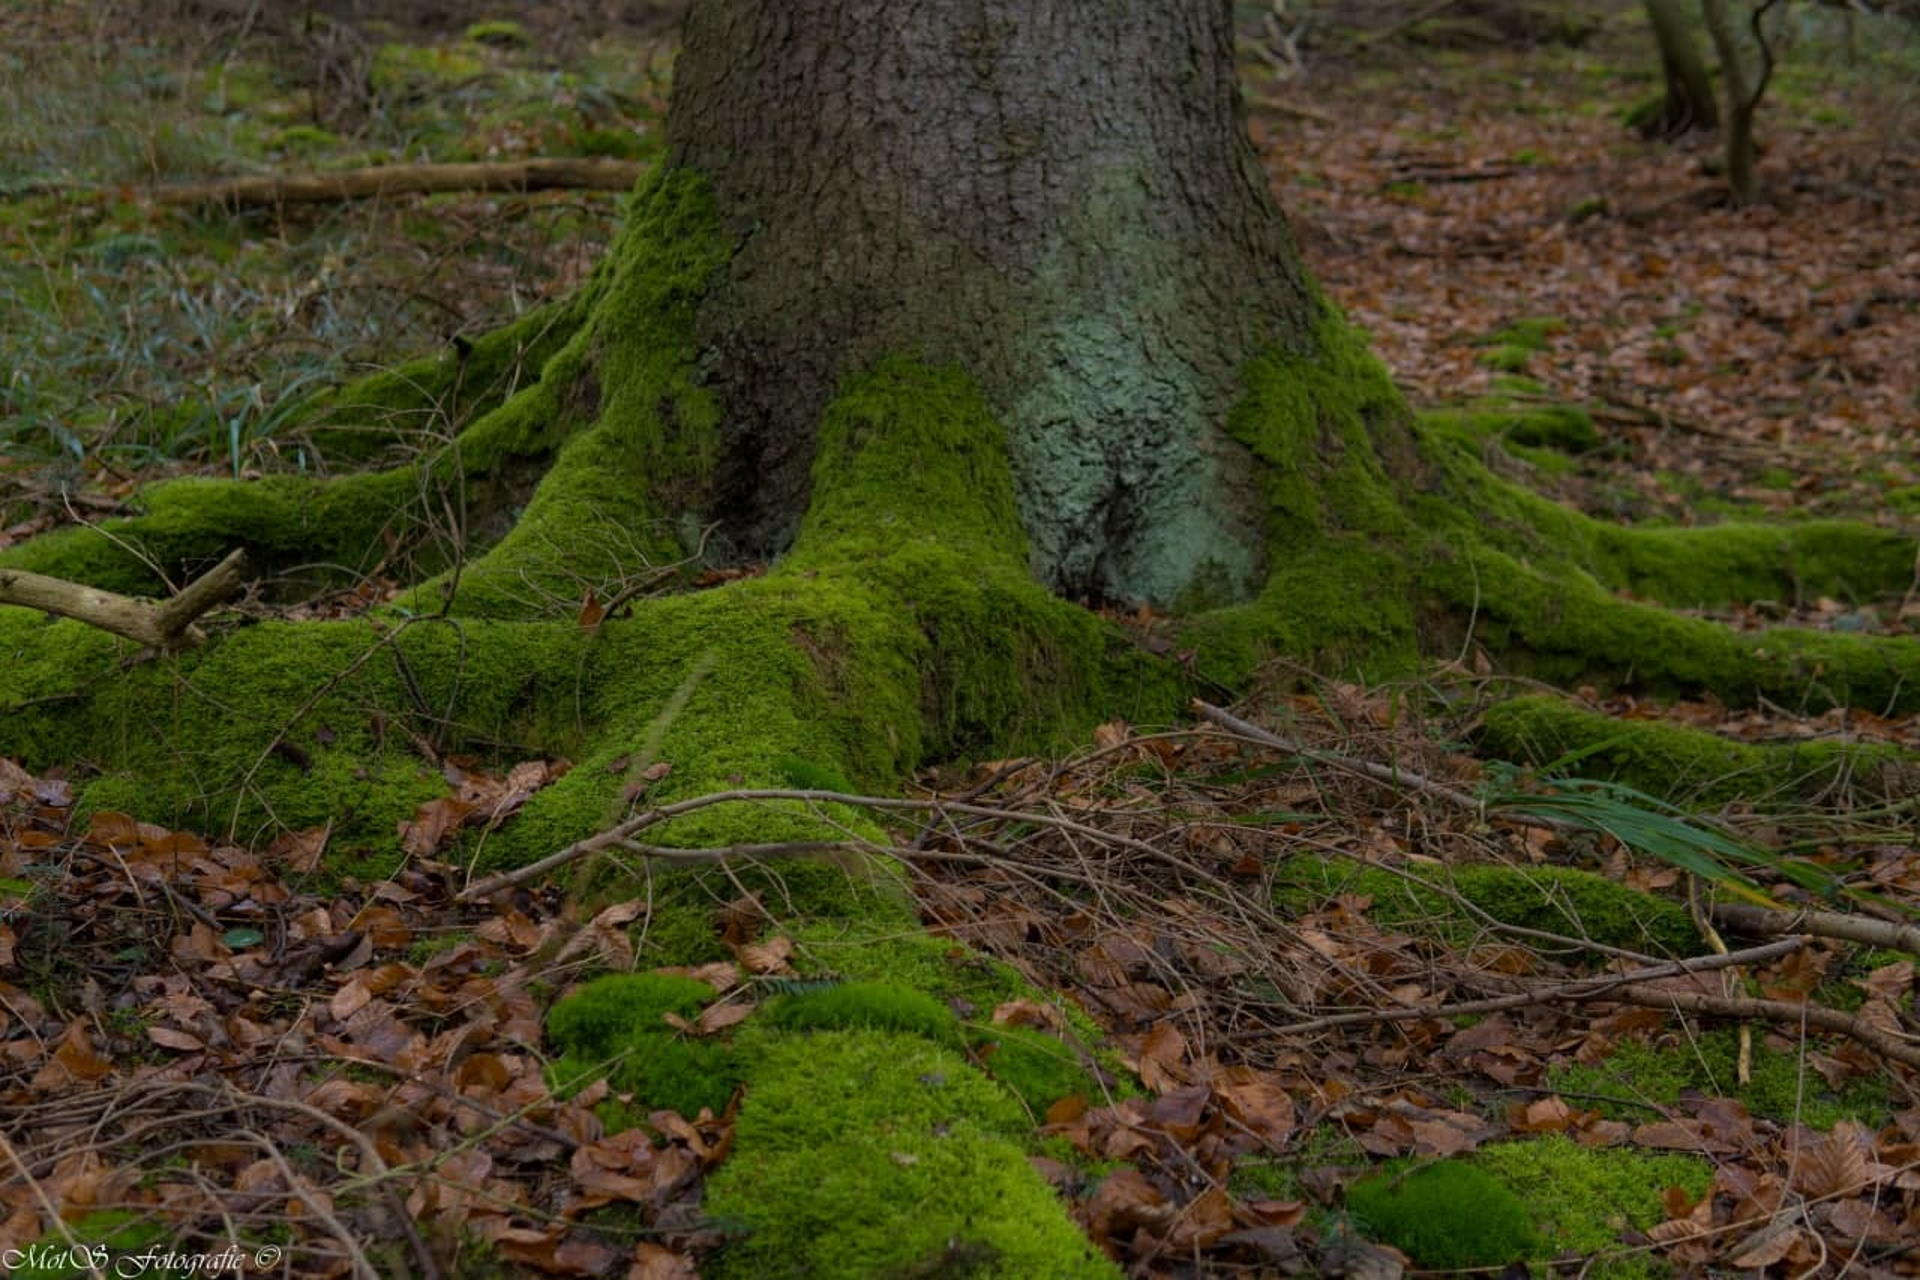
898,1158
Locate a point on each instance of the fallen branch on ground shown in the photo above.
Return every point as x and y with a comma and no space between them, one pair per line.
1389,774
1605,987
596,174
1768,922
166,625
621,836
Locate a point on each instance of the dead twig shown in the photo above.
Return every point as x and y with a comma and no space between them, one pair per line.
1392,775
1768,921
593,174
167,625
1605,987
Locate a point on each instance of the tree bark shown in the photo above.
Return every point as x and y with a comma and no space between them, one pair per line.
1058,196
1690,102
1743,98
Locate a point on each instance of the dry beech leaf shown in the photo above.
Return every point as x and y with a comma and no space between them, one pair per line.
1028,1013
171,1038
718,1017
766,957
1838,1163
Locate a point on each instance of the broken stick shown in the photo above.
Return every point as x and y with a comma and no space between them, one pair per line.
598,174
164,625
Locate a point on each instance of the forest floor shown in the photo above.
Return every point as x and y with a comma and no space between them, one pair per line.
192,1034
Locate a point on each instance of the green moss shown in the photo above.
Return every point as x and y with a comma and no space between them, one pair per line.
1566,428
897,1156
954,974
404,70
1783,1087
303,139
1677,762
1561,625
423,401
1508,358
190,524
616,1026
1445,1215
1040,1068
1560,900
1530,333
277,725
877,1006
1325,423
1581,1200
498,31
601,1016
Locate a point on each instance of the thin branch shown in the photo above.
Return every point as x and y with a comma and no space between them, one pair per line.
596,174
1766,55
1606,987
168,625
1392,775
621,835
1769,921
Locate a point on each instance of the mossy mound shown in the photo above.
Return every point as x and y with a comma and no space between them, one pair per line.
1447,1215
1783,1087
1562,427
869,1006
1580,1200
836,1169
1560,900
615,1027
1040,1068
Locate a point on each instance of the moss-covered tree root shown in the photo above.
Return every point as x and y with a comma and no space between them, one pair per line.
1453,555
903,624
1692,765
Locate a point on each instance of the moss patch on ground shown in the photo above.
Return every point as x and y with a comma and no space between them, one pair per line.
1527,1201
1445,1215
1784,1087
1560,900
617,1027
1581,1200
1677,762
900,1157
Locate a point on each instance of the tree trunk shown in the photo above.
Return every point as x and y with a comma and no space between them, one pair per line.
1743,99
1689,101
1059,197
